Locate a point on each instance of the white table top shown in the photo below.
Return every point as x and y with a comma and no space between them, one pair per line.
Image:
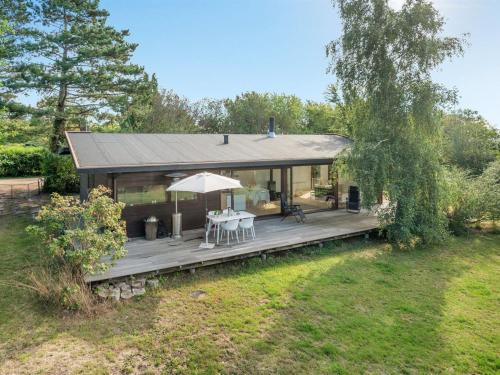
234,216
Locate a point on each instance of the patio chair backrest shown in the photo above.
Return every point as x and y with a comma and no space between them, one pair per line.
230,225
353,201
246,223
353,194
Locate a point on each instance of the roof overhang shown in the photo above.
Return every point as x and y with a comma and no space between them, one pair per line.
203,166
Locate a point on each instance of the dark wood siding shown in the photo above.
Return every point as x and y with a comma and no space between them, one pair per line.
193,211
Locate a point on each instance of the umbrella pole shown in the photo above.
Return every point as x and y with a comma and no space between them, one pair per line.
175,201
206,224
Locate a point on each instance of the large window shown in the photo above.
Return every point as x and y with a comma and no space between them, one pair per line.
260,194
146,194
312,187
138,189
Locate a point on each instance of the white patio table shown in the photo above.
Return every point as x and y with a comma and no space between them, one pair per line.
222,218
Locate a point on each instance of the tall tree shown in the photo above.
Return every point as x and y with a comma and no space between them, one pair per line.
250,112
170,113
77,63
383,63
469,141
13,14
211,115
323,118
136,111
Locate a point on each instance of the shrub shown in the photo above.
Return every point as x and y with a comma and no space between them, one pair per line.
60,174
21,130
488,187
459,201
77,236
20,161
471,199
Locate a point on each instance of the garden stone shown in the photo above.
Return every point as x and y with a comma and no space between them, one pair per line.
123,286
139,283
198,294
126,294
153,283
102,291
138,291
114,293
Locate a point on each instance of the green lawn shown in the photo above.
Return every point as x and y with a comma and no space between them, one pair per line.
342,309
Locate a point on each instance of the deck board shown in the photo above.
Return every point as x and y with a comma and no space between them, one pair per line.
167,255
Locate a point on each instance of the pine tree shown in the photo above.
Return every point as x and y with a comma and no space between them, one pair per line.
79,66
135,112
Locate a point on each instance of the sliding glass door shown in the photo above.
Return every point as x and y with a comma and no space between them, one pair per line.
312,188
260,194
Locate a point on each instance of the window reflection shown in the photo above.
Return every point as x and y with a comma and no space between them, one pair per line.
146,194
312,187
260,194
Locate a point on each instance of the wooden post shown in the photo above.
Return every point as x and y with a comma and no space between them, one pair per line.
84,186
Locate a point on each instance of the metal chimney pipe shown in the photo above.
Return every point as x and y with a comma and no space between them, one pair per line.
270,132
226,139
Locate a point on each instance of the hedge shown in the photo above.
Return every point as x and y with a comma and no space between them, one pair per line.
60,174
20,161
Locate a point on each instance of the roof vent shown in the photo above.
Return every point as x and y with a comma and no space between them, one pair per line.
226,139
270,132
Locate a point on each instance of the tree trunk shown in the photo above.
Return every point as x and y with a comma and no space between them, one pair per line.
59,124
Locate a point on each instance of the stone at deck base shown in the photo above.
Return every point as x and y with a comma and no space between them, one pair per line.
138,291
114,293
123,286
138,283
127,294
102,291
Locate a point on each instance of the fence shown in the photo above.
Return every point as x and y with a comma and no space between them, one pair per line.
21,189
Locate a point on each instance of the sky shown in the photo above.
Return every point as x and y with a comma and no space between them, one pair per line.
221,48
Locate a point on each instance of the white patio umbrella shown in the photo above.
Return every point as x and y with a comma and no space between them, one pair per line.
205,183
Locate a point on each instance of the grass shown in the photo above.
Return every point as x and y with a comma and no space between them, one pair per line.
343,309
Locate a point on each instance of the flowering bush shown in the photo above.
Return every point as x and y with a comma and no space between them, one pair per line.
84,237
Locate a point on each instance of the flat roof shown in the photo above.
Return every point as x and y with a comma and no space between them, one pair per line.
119,152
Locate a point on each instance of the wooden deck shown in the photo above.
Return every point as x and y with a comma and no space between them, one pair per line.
167,255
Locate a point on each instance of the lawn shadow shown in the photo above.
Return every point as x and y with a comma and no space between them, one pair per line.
378,313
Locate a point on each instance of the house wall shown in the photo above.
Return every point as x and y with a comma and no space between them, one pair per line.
131,187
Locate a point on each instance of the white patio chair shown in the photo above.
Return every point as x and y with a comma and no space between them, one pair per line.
230,227
247,225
